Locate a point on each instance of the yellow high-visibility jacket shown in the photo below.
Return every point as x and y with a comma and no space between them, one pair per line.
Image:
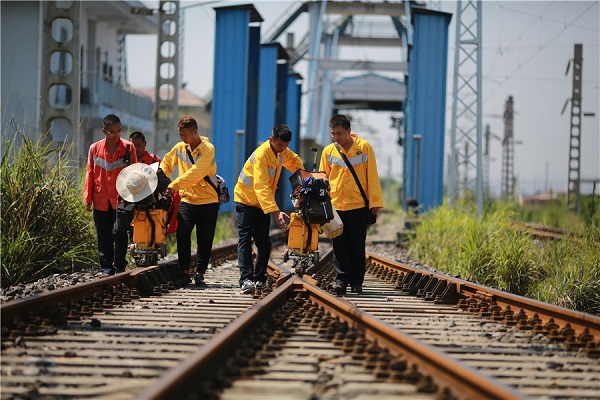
190,183
345,194
257,182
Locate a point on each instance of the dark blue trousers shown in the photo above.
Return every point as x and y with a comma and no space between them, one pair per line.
349,248
204,218
112,239
252,223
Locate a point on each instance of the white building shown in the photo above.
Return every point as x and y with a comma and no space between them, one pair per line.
63,69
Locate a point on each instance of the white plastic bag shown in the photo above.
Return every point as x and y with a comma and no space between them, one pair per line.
335,227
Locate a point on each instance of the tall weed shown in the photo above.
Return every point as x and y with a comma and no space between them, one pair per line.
571,273
515,262
475,258
491,251
45,227
438,237
591,211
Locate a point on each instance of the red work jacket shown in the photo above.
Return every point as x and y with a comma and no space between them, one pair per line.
148,158
102,171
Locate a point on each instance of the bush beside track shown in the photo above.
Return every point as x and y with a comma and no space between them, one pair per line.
45,226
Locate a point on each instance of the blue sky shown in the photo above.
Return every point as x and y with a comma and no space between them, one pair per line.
526,48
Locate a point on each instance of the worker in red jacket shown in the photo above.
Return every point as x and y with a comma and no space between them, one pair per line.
107,157
139,142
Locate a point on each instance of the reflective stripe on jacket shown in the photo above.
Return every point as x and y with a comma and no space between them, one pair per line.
257,182
345,194
101,173
190,183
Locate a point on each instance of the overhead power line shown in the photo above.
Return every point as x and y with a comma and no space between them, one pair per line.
543,47
545,19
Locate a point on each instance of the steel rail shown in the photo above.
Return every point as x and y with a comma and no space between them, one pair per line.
544,232
50,300
513,309
200,366
151,280
430,286
444,370
53,312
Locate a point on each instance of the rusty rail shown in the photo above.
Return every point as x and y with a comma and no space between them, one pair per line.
576,328
447,373
152,280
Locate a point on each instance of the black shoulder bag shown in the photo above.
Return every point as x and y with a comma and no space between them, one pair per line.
371,218
127,157
221,189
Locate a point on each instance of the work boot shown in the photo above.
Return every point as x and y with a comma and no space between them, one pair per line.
356,289
199,280
340,288
182,278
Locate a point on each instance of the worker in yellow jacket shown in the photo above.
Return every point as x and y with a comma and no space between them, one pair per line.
254,200
194,158
345,160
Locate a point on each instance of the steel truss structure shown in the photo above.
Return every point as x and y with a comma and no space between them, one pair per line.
465,178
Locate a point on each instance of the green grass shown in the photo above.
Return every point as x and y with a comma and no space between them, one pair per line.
558,216
570,277
45,227
438,235
490,251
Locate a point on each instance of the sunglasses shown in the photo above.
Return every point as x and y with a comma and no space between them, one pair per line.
114,132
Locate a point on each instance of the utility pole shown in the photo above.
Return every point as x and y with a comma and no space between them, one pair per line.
168,71
486,161
166,92
465,176
508,152
546,187
574,187
61,81
574,193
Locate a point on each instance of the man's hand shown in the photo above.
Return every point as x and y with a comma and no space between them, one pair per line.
375,210
280,218
169,191
89,207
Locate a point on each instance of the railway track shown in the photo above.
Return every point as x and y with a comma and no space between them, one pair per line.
543,232
542,350
111,337
548,233
411,334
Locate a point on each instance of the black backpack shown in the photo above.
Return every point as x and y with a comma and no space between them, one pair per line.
312,190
